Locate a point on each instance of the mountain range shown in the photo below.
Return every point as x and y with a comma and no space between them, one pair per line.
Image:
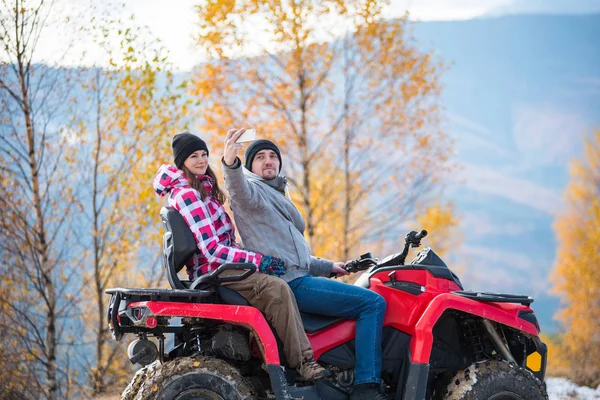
520,95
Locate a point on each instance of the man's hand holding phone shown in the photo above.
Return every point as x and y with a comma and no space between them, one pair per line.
233,143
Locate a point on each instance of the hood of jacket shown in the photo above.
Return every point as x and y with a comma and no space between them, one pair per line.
278,183
170,177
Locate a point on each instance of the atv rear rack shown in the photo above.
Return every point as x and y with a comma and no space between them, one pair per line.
495,297
141,295
187,296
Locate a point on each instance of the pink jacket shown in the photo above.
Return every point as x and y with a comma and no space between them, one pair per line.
208,221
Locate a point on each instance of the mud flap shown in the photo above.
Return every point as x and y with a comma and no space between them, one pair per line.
416,383
305,393
329,391
542,348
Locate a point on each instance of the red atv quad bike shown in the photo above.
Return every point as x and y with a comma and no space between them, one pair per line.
439,341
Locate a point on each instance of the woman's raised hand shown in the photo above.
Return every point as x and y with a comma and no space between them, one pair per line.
231,146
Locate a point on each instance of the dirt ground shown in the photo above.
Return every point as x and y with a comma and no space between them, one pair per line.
110,395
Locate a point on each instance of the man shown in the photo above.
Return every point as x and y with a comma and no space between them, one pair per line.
269,223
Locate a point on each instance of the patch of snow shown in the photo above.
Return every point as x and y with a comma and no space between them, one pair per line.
564,389
467,380
462,389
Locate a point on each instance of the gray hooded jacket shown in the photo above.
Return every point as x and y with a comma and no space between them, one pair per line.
269,223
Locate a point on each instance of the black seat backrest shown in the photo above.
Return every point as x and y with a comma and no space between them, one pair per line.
179,244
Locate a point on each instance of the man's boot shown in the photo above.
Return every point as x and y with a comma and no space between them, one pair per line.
310,370
368,391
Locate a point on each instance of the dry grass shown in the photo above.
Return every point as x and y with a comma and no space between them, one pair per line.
111,394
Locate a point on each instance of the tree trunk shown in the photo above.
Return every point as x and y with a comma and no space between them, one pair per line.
305,162
347,205
41,249
310,228
98,385
347,145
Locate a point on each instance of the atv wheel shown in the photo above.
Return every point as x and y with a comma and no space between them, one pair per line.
190,378
495,380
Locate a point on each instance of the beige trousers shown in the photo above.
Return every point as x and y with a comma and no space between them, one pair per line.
273,297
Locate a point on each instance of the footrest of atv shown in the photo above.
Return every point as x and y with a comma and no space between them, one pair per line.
495,297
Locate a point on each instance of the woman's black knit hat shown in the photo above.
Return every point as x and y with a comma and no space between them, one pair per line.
185,144
257,146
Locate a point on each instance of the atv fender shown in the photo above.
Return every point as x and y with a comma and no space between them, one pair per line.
422,341
247,317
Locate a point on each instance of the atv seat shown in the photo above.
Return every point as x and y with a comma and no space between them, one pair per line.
179,245
229,296
315,322
312,322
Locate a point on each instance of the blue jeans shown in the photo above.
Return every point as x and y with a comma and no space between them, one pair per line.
338,299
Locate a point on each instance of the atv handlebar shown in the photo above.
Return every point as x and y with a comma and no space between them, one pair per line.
364,262
421,234
413,238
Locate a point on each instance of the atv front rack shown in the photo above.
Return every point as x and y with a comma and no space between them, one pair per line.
495,297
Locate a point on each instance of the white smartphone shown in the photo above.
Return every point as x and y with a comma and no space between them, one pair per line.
248,136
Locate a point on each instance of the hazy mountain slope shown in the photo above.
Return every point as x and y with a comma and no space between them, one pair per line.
521,93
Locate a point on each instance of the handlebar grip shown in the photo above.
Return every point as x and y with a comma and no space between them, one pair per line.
421,234
350,266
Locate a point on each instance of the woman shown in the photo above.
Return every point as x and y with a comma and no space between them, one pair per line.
193,190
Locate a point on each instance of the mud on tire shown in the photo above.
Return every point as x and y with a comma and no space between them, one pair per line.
497,380
189,378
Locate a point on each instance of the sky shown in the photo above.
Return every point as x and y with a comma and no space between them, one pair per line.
173,22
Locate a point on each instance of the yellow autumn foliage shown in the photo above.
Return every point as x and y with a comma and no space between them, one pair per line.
576,275
441,223
347,96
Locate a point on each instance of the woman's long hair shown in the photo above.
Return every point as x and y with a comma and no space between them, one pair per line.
195,183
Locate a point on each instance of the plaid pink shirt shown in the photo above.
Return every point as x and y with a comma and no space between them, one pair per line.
208,221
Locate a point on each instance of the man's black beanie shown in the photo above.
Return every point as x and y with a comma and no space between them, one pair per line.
184,144
257,146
